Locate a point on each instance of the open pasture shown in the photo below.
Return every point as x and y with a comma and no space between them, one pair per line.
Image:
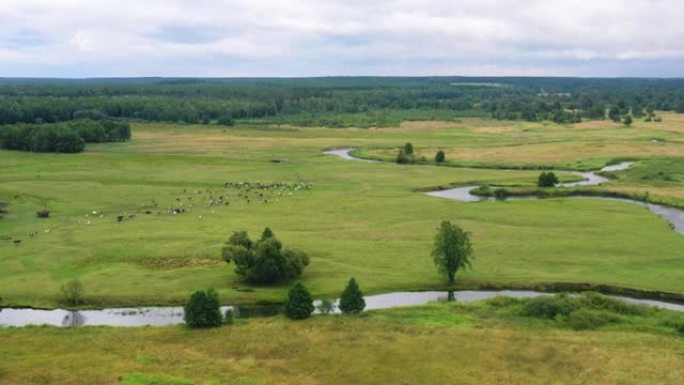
355,219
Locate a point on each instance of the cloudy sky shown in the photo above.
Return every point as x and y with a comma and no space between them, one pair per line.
89,38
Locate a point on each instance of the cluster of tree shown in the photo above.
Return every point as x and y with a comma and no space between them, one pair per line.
264,261
224,100
547,179
300,304
405,155
451,252
69,137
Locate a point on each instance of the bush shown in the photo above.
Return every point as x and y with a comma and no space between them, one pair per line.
72,292
264,261
595,300
403,158
501,194
440,157
408,149
351,300
326,306
547,179
229,317
299,302
549,306
203,310
586,319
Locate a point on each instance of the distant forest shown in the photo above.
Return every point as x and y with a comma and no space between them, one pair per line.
334,101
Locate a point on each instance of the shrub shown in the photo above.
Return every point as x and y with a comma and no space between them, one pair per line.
549,306
595,300
408,149
586,319
351,300
203,310
264,261
440,157
326,306
229,317
72,292
299,302
501,194
403,158
547,179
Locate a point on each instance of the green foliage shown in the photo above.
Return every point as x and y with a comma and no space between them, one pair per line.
547,179
72,292
587,319
229,317
351,300
203,310
549,306
408,149
452,250
440,157
501,194
62,137
299,303
265,261
628,121
326,306
581,312
403,158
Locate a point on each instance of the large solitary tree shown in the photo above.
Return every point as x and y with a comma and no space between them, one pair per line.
264,261
452,250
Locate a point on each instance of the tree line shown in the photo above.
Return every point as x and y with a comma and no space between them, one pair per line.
67,137
312,99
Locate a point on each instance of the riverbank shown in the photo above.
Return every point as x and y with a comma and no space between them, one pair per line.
490,342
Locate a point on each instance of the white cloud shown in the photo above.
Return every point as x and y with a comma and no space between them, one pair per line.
316,37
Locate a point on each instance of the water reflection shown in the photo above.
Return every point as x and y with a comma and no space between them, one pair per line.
73,318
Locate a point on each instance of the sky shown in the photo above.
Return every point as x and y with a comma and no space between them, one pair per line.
263,38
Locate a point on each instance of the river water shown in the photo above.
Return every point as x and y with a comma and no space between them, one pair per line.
173,315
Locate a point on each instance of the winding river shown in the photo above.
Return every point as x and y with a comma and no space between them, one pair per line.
674,216
160,316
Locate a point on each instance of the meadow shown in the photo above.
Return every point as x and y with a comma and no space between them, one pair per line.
370,221
475,343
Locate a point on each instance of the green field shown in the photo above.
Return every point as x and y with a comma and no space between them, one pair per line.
481,343
358,219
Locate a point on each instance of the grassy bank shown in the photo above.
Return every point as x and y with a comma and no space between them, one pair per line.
482,343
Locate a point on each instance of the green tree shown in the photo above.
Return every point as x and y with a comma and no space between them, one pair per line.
614,114
547,179
299,302
628,121
203,310
266,234
440,157
72,292
326,306
408,149
402,158
500,194
351,300
264,261
452,250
